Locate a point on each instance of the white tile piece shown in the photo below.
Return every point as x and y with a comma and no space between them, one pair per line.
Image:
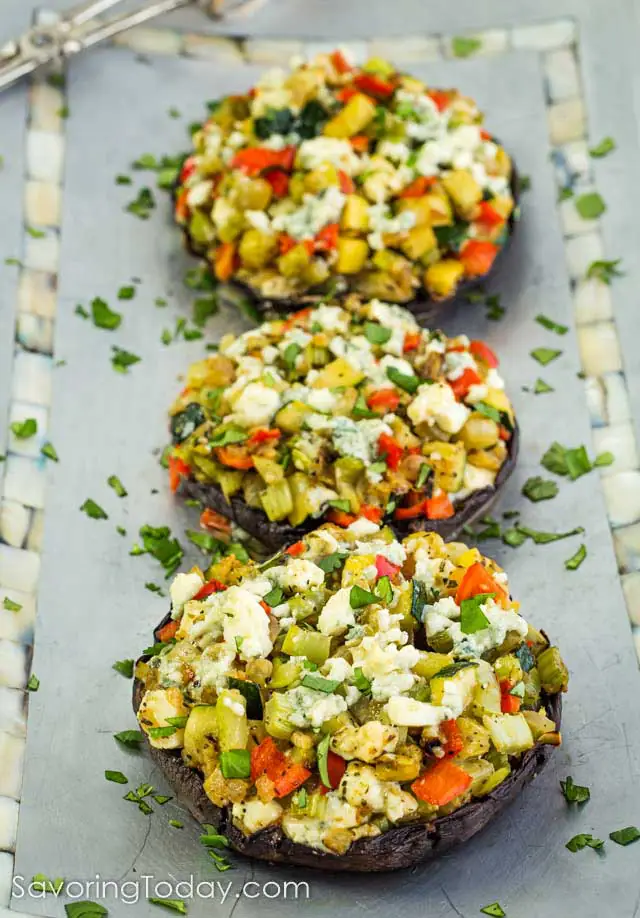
17,626
150,41
578,161
13,717
25,481
37,293
6,879
622,496
19,569
46,102
411,48
13,666
356,52
616,398
561,72
43,253
581,250
631,589
45,155
276,52
34,538
545,35
32,378
14,523
11,761
35,333
29,446
10,913
567,121
212,48
592,301
596,402
42,204
599,348
8,824
619,439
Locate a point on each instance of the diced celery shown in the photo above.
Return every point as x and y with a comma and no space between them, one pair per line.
268,469
431,663
291,417
554,675
233,727
285,672
510,733
492,781
277,502
277,712
300,489
310,644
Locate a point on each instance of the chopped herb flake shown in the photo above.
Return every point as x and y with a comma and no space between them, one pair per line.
495,910
129,738
48,449
402,380
604,271
126,293
358,598
607,145
578,842
93,510
625,836
121,360
103,316
235,763
472,618
590,205
603,459
24,429
114,482
173,905
33,684
541,387
376,334
545,355
538,488
574,562
10,605
551,325
320,684
142,205
574,793
465,46
124,667
116,776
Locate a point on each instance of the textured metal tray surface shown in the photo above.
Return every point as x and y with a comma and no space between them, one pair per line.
93,608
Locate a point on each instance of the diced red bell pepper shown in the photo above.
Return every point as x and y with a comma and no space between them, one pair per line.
347,185
264,435
279,181
374,85
489,216
211,586
504,434
371,513
341,517
439,507
339,61
477,257
211,519
441,99
262,756
181,209
285,243
476,580
254,160
418,187
296,549
384,567
483,352
485,135
168,631
289,778
442,783
453,737
236,457
360,143
178,469
224,261
327,239
285,774
347,92
336,767
391,450
509,704
188,168
386,399
463,383
412,511
265,607
411,342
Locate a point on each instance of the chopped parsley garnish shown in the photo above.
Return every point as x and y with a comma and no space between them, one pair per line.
465,46
146,161
538,488
332,562
320,684
625,836
124,667
154,588
274,597
33,684
24,429
494,310
578,842
603,459
541,387
49,450
560,460
536,535
121,530
574,562
448,671
176,824
545,355
607,145
495,910
35,233
158,542
525,182
206,542
57,80
85,909
235,763
10,605
142,205
81,311
361,409
116,776
173,112
402,380
114,482
590,205
126,293
472,618
359,598
103,316
565,193
551,325
376,334
203,308
93,510
123,180
228,436
290,355
121,360
574,793
160,301
42,883
384,589
361,682
161,732
604,271
212,839
131,739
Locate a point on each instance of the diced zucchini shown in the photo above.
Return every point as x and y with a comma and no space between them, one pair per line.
156,708
355,214
277,712
463,190
554,675
268,469
201,229
404,765
507,667
380,66
460,686
352,255
479,432
448,461
532,688
310,644
540,725
250,193
291,417
441,278
420,241
285,673
338,373
233,728
200,732
294,263
230,481
352,119
480,770
277,501
324,176
431,663
510,733
440,210
499,775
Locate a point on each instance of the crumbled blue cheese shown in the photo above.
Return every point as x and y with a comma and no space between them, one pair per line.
212,667
337,614
319,150
456,362
183,588
297,574
238,614
363,527
393,551
365,743
258,220
444,616
386,665
337,668
331,318
315,212
436,404
322,400
408,712
310,708
382,221
256,406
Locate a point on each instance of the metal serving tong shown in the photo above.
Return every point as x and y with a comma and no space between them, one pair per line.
54,39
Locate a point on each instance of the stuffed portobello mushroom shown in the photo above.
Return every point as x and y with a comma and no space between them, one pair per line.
359,173
355,703
343,410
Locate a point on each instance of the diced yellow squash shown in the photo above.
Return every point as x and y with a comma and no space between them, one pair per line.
250,193
354,567
469,557
352,255
297,187
448,461
510,733
320,178
431,663
294,262
440,209
420,207
199,733
419,242
479,432
256,249
486,696
463,190
291,417
380,66
316,272
336,374
352,119
355,215
442,278
231,718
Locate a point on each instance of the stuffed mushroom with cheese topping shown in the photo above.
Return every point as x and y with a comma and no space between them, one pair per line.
355,703
340,411
360,173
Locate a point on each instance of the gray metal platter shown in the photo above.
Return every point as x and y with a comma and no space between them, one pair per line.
93,608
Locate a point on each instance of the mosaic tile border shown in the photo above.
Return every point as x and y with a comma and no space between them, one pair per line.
23,485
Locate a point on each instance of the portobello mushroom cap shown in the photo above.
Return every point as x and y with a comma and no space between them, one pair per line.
399,847
276,534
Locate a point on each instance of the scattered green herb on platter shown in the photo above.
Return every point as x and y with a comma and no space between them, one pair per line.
154,588
81,311
573,462
124,667
126,293
176,824
49,451
525,182
42,883
64,111
33,684
173,905
574,562
121,360
607,145
541,387
10,606
590,205
603,459
24,429
158,542
85,909
578,842
574,793
131,739
538,488
604,271
544,355
465,46
103,316
123,180
142,205
495,910
93,510
550,325
625,836
519,534
494,310
565,193
35,233
116,776
114,482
